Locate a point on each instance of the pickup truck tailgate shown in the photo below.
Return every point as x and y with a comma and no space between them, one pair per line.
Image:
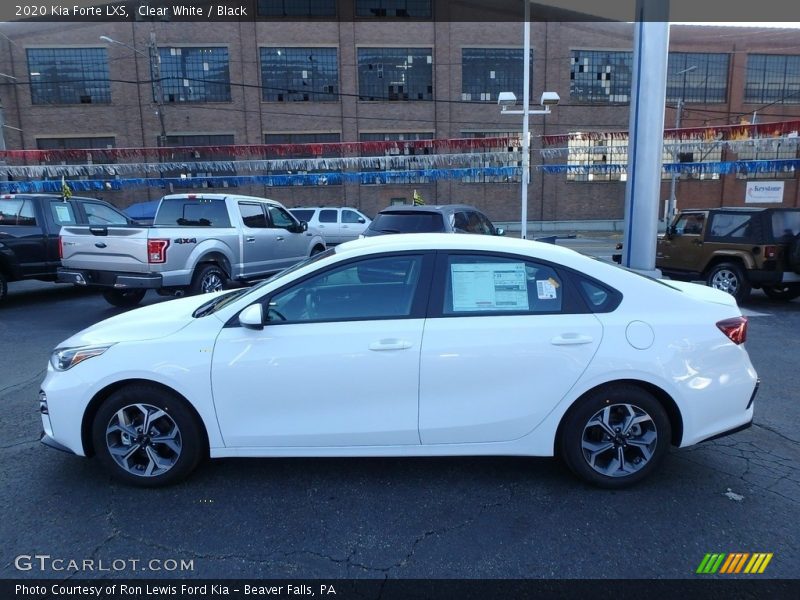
105,248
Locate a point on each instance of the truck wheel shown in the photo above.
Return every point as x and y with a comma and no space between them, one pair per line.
729,277
3,287
124,298
784,292
316,250
207,279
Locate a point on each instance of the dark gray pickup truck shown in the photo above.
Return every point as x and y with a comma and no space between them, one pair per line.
29,228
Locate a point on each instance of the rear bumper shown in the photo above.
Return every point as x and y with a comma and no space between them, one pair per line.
93,278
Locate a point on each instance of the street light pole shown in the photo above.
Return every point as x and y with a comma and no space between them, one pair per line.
671,203
526,132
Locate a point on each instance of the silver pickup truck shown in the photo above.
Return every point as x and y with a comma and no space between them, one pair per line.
196,244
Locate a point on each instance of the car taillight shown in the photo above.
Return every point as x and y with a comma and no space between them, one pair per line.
735,329
60,248
770,251
157,251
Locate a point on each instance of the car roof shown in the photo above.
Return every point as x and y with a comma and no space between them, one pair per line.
221,197
438,208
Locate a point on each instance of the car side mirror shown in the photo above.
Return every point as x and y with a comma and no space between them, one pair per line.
499,231
252,317
362,220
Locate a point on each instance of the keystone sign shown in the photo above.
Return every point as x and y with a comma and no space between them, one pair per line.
762,192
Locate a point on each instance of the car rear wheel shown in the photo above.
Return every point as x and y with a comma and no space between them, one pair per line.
784,292
146,436
207,279
124,298
729,277
3,286
615,437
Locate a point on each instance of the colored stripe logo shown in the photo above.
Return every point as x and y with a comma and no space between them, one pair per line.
733,563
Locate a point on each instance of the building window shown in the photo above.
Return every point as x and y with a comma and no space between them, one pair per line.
513,158
400,150
601,76
772,78
602,159
299,75
485,72
198,154
688,153
296,8
697,77
395,74
195,74
768,149
310,152
77,143
69,76
416,9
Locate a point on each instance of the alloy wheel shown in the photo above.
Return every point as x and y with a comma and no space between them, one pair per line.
726,280
143,440
619,440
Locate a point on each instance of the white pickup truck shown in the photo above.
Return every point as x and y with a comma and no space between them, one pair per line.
196,244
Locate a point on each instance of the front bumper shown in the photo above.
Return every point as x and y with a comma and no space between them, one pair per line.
89,277
51,443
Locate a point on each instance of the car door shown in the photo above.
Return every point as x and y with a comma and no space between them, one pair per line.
24,235
290,242
337,363
59,213
505,341
257,240
352,225
329,225
680,248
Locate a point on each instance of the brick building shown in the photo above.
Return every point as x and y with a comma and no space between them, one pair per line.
364,77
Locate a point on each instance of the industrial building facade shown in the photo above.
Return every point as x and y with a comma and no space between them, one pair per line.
389,72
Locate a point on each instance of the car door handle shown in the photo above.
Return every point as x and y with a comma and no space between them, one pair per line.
389,344
279,238
251,239
571,339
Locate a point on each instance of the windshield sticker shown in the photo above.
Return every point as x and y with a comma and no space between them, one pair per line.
63,213
545,290
489,286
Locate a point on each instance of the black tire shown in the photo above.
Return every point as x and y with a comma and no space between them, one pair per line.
124,298
316,250
643,446
785,292
729,277
208,278
177,424
3,286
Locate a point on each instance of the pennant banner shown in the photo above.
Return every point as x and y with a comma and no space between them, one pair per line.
720,168
365,178
754,145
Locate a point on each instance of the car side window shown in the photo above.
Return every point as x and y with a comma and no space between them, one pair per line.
99,214
16,211
302,214
460,222
374,288
494,285
351,216
253,215
279,218
327,216
62,212
691,224
730,225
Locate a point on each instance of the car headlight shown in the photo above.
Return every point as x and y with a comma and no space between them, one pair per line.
66,358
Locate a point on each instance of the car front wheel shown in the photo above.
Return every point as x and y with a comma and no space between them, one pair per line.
615,437
146,436
729,277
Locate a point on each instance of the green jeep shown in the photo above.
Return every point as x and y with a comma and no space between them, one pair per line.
735,250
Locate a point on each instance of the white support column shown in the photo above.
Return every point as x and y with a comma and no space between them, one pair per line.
526,131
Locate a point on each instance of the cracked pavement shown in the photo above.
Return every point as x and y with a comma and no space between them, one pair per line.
397,518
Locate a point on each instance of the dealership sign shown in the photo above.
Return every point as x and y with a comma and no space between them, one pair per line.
767,191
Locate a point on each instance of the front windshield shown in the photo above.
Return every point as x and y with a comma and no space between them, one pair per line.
224,300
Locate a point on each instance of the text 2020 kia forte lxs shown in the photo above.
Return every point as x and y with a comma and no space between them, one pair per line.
410,345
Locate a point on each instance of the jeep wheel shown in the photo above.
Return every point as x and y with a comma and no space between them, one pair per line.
784,292
729,277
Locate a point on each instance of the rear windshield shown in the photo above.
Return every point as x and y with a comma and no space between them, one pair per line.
785,224
192,212
410,222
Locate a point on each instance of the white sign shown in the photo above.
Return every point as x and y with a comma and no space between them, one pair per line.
489,286
764,191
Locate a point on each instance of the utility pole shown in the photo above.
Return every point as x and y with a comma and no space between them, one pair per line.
158,91
3,176
671,203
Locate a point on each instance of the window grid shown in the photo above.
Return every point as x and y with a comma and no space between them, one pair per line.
78,143
585,152
772,78
299,75
199,155
395,74
411,165
69,76
306,138
600,76
485,72
711,153
780,151
296,8
195,74
507,162
415,9
697,77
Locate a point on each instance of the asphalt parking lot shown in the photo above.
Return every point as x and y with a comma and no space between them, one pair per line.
397,518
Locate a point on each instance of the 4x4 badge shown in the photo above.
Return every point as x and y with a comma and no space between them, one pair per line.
186,241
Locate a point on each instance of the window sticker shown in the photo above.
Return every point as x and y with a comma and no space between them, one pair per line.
63,213
489,286
546,289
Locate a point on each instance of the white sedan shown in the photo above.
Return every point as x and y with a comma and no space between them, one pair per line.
410,345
